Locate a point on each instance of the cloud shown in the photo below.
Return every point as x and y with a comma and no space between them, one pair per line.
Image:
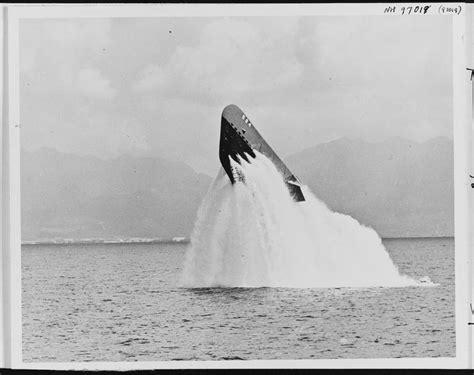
153,77
308,80
53,54
67,101
90,87
91,84
232,57
47,44
82,128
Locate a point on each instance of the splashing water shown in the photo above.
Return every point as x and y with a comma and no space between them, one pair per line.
254,234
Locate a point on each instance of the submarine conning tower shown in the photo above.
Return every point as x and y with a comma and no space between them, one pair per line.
239,137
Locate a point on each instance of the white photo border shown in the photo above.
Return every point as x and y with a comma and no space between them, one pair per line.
11,227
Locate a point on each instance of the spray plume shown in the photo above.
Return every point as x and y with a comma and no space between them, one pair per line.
253,234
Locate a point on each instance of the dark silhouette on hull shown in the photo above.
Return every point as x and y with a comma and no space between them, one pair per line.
240,138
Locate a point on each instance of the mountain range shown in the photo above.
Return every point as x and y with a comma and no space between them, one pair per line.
399,187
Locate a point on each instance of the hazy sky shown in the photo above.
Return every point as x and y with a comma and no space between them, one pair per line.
157,86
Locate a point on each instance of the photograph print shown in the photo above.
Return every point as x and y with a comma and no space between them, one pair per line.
236,188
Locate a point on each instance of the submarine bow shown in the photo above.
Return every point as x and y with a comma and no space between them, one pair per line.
239,137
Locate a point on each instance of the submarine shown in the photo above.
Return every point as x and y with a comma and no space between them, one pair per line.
239,137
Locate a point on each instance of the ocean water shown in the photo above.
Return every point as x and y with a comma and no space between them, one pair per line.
109,302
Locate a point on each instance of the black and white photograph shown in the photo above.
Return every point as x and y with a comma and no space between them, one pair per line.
237,187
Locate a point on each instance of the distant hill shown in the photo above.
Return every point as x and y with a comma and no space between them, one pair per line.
398,187
69,196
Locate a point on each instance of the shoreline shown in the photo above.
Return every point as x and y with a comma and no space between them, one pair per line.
111,241
175,240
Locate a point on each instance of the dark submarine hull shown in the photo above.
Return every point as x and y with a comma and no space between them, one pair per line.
240,138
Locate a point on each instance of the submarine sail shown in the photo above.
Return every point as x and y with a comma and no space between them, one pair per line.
240,138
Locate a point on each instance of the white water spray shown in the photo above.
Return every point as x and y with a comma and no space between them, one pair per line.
254,234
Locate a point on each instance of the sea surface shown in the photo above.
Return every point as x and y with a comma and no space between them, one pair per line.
123,302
